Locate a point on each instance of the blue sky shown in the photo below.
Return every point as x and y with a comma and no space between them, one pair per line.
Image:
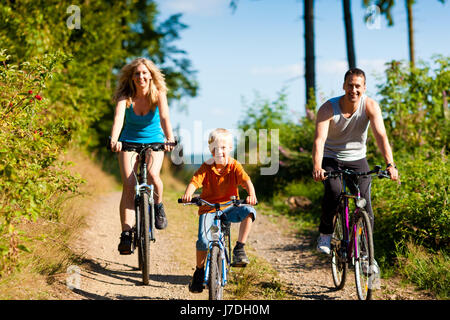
260,48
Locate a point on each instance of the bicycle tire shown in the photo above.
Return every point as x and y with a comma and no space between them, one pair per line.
339,264
144,237
364,254
215,274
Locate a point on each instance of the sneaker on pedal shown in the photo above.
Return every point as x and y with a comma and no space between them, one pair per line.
239,257
125,242
196,285
160,217
324,243
373,269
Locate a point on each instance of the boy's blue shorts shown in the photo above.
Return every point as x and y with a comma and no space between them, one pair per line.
205,221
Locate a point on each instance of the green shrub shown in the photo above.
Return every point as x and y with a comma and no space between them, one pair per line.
32,179
415,210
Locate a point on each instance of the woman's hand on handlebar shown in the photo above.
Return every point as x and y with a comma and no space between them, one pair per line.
171,146
116,146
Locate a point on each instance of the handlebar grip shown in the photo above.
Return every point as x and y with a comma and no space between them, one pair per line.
194,200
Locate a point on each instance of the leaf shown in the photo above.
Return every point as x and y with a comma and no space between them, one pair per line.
23,248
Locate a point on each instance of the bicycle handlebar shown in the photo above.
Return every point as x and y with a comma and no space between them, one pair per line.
347,172
139,147
199,202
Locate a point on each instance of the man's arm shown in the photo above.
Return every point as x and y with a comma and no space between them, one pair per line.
373,112
324,116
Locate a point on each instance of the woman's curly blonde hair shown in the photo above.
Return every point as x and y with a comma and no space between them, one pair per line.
127,89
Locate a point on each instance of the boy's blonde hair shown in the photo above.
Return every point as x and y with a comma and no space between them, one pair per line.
219,134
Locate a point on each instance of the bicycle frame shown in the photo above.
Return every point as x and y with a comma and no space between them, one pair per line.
143,187
218,238
350,235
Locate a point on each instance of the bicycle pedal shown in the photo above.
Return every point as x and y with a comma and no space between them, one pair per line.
239,265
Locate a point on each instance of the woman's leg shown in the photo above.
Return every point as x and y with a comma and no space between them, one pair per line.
127,160
155,161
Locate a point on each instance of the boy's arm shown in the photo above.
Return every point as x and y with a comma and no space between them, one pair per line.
251,198
187,197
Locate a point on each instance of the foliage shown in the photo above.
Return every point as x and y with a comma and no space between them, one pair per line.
417,209
294,145
414,105
32,180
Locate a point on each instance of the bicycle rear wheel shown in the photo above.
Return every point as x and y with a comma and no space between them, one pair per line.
364,257
338,252
215,274
144,237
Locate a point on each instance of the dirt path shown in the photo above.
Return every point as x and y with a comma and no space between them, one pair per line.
104,274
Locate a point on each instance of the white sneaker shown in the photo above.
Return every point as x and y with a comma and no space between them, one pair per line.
373,269
324,243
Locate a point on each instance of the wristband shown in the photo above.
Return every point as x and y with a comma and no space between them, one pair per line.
391,165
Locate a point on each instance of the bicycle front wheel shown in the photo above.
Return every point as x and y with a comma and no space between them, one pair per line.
215,274
144,237
338,253
365,270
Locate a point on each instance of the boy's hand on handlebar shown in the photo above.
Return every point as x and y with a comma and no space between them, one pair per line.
251,200
186,198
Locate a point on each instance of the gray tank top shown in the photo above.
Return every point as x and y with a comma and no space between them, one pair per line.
346,138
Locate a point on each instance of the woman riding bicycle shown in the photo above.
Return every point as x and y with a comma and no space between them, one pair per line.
340,143
141,116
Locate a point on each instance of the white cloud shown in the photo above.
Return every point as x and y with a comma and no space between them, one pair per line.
332,66
339,67
196,7
291,70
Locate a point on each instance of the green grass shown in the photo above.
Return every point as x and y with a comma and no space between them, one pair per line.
429,271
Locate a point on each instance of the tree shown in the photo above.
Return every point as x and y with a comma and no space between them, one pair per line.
310,61
349,34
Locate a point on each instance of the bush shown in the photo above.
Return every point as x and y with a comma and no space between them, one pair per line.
415,210
32,179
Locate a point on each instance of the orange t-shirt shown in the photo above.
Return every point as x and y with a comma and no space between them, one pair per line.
219,187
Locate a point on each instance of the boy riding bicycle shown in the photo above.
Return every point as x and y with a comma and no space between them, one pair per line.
219,178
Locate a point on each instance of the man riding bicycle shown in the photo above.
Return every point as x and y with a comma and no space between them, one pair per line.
340,143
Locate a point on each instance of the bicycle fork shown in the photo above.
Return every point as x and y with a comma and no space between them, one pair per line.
222,259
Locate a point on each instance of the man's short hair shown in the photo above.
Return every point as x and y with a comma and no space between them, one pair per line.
355,72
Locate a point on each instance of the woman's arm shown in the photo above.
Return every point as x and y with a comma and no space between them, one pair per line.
165,120
119,116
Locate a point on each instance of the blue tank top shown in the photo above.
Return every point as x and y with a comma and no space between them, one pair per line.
142,129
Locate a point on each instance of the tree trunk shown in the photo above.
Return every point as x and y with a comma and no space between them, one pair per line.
349,34
409,4
309,50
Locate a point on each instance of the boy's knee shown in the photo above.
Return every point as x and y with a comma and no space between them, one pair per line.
251,213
